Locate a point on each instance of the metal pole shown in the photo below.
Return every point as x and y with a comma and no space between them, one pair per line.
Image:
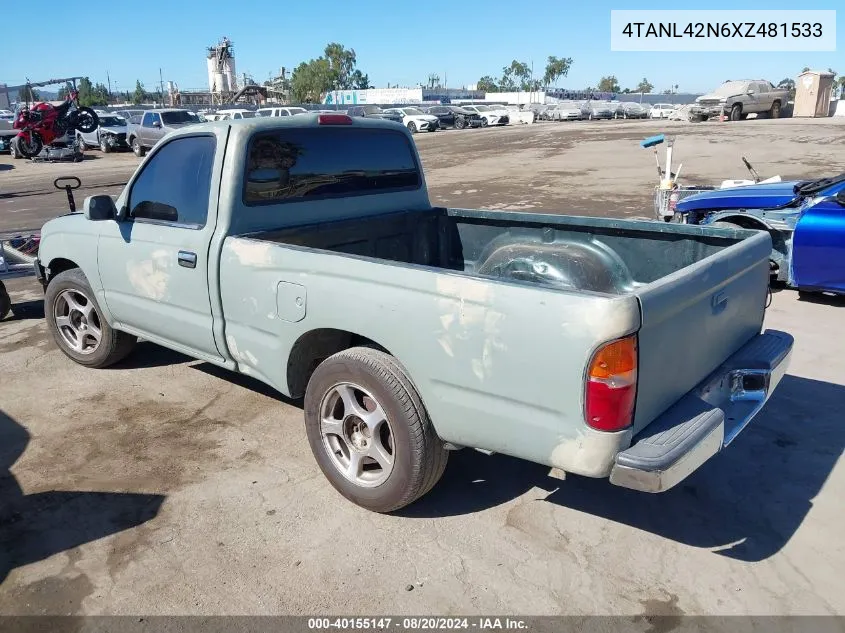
161,85
108,79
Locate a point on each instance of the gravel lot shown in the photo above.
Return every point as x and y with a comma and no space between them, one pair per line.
167,486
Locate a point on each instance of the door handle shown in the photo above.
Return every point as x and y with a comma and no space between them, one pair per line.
187,260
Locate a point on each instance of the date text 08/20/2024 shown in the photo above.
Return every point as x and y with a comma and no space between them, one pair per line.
723,29
416,624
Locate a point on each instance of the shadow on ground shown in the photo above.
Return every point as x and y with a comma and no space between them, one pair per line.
822,299
36,526
24,310
746,502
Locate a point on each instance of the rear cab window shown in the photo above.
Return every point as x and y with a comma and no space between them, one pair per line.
301,164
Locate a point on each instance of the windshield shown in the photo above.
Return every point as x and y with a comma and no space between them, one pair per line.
264,113
297,110
482,108
731,88
248,115
178,117
413,111
113,121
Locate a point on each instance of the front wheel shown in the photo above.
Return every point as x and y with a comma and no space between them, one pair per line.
81,143
460,123
77,325
105,148
736,112
484,122
30,146
369,431
137,148
412,127
774,113
5,301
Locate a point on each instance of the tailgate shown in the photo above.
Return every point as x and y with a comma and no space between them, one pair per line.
695,318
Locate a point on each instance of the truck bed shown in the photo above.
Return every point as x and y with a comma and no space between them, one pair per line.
700,292
565,252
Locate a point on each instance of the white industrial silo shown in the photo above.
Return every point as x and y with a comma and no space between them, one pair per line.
221,67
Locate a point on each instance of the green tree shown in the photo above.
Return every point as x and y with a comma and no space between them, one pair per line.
609,84
341,65
310,80
487,84
787,84
138,95
644,87
806,68
360,81
556,68
841,83
518,74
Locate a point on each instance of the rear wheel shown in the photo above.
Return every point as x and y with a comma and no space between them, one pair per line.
774,113
86,120
369,431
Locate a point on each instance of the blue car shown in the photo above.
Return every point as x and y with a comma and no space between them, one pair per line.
806,220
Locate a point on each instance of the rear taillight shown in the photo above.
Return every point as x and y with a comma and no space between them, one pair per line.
611,388
334,119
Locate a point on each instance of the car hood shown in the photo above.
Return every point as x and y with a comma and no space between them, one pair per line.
421,117
113,129
714,97
768,196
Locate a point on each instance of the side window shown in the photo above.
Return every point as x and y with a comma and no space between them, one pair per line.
147,121
283,113
175,183
762,86
237,115
155,118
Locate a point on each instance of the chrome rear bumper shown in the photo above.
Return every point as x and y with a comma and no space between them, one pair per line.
707,419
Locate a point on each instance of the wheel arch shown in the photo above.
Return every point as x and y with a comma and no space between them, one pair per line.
314,346
58,265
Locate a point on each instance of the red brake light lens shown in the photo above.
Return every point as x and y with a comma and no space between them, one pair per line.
334,119
611,388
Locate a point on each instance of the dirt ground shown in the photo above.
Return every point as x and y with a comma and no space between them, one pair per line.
167,486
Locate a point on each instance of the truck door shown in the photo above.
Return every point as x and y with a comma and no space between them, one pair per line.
818,248
154,265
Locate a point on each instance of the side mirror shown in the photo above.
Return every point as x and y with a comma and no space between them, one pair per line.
100,208
840,198
157,124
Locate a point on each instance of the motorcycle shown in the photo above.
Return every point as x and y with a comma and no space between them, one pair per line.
44,123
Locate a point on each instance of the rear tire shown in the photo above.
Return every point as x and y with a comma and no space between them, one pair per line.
75,320
774,113
378,385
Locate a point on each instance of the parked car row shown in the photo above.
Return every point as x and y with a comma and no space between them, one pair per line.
596,109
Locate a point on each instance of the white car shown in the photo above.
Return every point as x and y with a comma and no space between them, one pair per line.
489,115
660,111
564,111
286,111
518,115
7,115
416,120
231,113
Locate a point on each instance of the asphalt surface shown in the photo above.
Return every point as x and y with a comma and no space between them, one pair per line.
168,486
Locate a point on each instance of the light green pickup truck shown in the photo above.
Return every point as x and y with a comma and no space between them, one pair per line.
305,252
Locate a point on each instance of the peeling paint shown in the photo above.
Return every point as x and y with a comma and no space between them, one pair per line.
252,253
150,277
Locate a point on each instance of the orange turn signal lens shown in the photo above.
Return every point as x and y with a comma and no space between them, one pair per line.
618,357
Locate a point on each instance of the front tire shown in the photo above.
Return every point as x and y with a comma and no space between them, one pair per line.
369,431
137,148
105,148
81,143
484,122
412,127
774,113
5,301
460,123
77,325
736,112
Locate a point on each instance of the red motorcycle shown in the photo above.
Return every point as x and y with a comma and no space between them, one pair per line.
44,123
